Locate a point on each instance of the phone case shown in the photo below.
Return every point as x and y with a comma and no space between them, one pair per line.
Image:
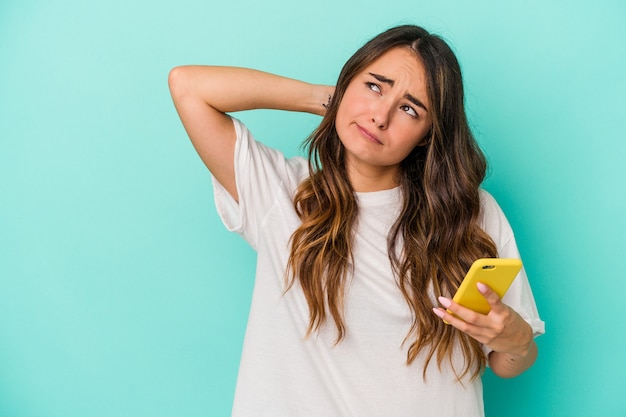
497,273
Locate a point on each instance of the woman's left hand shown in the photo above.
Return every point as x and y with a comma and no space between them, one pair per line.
502,329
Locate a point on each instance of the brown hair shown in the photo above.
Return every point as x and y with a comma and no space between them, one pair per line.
438,226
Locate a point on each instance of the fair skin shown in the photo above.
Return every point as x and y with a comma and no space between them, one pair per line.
383,115
203,95
502,329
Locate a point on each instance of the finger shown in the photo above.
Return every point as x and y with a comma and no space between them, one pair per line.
463,313
491,296
460,324
448,317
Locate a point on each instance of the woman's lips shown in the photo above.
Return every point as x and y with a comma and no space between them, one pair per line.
368,135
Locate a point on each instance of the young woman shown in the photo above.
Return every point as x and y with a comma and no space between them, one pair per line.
361,246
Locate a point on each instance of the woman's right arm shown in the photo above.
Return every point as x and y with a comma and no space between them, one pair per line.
203,95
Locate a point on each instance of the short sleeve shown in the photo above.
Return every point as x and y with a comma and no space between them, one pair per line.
519,296
260,173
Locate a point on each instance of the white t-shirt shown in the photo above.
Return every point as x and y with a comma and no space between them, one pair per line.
281,373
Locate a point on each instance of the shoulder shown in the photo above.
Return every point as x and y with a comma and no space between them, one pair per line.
489,206
493,220
488,203
258,162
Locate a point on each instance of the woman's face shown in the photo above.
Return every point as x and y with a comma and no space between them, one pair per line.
383,115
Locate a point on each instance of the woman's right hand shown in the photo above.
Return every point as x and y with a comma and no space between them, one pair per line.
325,95
204,94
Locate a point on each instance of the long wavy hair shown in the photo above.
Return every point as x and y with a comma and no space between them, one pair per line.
437,234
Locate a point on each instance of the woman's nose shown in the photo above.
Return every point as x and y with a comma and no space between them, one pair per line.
381,114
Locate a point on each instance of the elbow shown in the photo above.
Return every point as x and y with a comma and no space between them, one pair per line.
507,373
176,81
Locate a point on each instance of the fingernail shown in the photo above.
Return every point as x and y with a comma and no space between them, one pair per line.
444,302
438,312
482,287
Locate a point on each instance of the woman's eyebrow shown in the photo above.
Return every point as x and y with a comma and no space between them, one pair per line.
415,101
382,79
391,82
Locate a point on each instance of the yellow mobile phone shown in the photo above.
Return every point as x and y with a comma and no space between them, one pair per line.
497,273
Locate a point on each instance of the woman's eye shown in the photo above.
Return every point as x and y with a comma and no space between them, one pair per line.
374,87
408,110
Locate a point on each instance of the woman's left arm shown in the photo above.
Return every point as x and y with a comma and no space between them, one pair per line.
503,330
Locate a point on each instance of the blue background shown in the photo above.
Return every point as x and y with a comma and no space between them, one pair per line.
121,294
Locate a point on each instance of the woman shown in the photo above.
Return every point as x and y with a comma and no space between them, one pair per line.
360,247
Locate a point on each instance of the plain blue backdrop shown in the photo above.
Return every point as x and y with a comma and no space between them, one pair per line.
121,294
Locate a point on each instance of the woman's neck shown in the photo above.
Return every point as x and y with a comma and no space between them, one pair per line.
371,179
